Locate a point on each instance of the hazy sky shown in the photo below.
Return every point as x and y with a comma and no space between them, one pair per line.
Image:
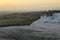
29,5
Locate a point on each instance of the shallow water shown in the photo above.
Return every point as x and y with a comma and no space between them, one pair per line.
48,23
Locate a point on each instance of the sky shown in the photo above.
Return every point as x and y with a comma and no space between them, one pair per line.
29,5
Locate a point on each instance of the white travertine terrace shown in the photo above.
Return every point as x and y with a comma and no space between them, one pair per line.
49,24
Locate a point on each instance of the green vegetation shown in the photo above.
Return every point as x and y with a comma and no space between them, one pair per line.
18,19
